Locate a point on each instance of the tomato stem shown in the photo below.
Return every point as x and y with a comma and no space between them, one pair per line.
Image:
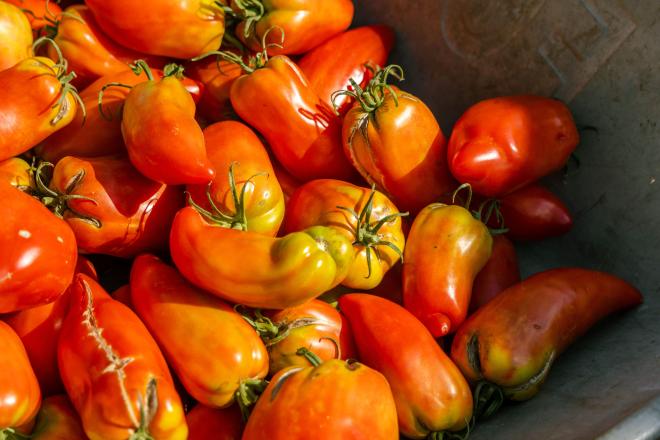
139,66
100,99
488,398
310,356
372,97
248,393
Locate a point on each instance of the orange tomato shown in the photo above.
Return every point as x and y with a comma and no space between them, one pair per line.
15,34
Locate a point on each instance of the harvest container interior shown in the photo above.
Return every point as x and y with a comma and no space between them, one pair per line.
601,58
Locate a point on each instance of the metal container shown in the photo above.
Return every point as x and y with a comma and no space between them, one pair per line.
602,57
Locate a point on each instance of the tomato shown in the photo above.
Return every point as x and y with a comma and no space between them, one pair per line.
113,371
382,120
232,146
163,140
256,270
302,131
36,100
288,183
513,340
217,75
182,29
534,213
19,390
111,207
37,253
502,144
302,24
430,392
16,36
501,271
333,400
57,420
186,322
16,172
315,325
212,423
100,135
367,218
330,66
40,13
446,249
90,53
123,295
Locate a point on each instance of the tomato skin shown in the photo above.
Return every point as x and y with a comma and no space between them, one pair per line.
20,396
186,323
288,183
57,420
37,253
99,136
134,213
16,35
183,29
328,335
429,390
335,400
517,335
502,144
92,380
123,295
212,423
305,24
414,176
446,249
16,172
28,93
158,115
330,66
303,132
316,203
256,270
90,53
535,213
38,11
231,142
217,76
500,272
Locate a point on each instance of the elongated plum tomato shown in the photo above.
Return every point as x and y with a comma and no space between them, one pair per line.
163,140
100,135
184,29
430,392
37,253
15,34
502,144
500,272
19,390
58,420
366,217
512,341
113,371
207,423
256,270
383,119
233,146
186,322
302,24
334,400
217,76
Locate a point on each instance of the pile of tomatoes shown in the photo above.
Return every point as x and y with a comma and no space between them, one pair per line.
310,257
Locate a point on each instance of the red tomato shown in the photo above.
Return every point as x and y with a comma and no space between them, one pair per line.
217,76
123,295
113,371
502,144
500,272
40,13
19,390
330,66
57,420
37,253
212,423
15,34
181,29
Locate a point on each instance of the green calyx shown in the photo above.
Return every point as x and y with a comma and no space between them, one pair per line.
148,406
310,356
12,434
238,220
247,394
249,11
374,93
270,332
139,66
367,233
487,209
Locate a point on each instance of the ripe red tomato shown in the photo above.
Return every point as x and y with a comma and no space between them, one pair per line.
207,423
500,272
40,13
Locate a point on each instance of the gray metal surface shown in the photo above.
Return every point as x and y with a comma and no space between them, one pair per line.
603,58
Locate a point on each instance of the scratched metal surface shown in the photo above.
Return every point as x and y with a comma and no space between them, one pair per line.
602,58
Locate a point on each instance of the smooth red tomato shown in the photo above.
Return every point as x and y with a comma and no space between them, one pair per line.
57,420
500,272
111,207
217,76
40,13
288,183
181,29
113,371
19,390
330,66
231,145
123,295
213,423
37,253
15,34
302,24
502,144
